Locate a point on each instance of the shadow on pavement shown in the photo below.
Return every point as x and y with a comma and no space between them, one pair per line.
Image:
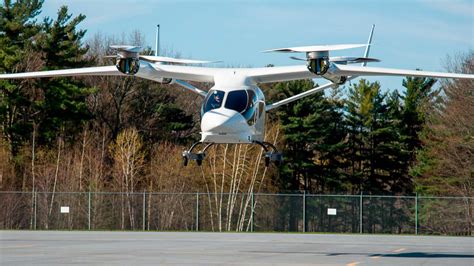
391,255
425,255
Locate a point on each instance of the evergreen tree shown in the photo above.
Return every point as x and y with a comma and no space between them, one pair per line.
358,117
397,149
296,122
314,132
34,110
445,161
329,145
416,97
18,31
64,102
376,149
157,117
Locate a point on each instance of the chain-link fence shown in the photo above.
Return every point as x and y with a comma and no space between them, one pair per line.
237,212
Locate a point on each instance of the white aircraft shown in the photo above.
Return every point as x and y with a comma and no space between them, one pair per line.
233,110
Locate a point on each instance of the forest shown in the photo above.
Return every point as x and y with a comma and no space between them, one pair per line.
125,134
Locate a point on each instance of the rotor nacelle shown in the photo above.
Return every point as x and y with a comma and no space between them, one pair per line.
318,62
128,59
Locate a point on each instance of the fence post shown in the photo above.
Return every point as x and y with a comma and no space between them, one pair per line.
416,213
35,208
252,212
144,210
361,206
197,211
32,213
304,211
89,211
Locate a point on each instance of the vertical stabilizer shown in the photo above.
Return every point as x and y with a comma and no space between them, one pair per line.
157,41
369,42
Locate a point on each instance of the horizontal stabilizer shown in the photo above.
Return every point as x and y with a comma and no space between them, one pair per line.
316,48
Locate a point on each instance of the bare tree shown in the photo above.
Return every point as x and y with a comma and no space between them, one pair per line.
446,161
233,174
128,157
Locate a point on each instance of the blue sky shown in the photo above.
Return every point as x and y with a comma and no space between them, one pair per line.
409,33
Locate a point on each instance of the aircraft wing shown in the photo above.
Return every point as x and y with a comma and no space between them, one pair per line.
346,70
87,71
276,74
189,73
147,70
287,73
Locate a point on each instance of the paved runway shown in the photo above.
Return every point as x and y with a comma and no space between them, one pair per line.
158,248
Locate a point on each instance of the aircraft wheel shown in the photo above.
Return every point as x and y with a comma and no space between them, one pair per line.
185,161
199,162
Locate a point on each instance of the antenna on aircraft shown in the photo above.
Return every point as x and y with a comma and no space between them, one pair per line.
157,43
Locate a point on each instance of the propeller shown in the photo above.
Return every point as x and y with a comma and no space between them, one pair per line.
128,51
127,48
165,59
316,48
344,59
352,60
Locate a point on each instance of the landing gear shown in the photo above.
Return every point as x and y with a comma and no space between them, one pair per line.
198,157
271,156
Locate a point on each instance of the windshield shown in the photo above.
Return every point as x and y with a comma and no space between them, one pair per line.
244,102
237,100
213,100
241,101
250,110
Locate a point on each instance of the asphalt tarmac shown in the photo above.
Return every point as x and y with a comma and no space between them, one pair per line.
198,248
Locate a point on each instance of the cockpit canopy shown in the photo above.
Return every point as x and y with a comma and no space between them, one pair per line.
242,101
213,101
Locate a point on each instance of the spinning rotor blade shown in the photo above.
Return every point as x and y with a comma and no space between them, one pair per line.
165,59
297,58
351,60
127,48
344,59
316,48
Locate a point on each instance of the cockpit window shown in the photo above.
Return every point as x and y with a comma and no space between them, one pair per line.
214,100
241,101
237,100
250,110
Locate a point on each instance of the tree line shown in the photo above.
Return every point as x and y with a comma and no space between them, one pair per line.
126,134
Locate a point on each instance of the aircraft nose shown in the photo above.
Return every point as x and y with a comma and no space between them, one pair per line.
222,121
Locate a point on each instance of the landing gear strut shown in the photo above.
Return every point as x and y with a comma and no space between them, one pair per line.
198,157
270,156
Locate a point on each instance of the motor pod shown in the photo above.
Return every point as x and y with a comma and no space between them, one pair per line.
318,62
128,65
127,60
